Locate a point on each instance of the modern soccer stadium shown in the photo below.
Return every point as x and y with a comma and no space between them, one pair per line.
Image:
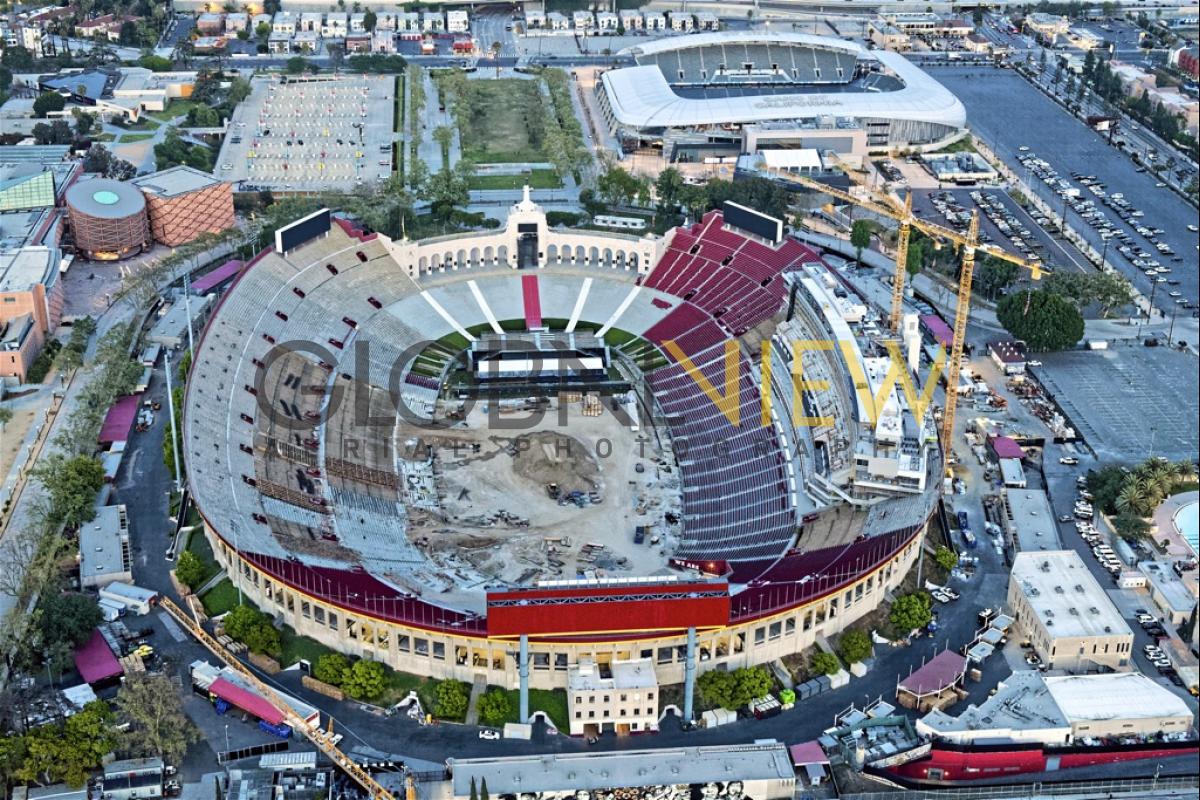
581,443
711,87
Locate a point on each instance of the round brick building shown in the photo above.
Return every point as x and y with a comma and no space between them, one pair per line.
108,219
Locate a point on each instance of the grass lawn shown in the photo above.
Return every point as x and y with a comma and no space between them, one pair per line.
104,137
296,647
504,135
198,544
175,108
221,598
963,145
551,701
130,138
537,179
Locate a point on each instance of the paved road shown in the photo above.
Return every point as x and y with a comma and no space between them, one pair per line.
1027,118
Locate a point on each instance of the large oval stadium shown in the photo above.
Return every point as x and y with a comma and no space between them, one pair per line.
586,444
708,93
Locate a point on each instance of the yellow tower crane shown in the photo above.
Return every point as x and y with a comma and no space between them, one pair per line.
969,242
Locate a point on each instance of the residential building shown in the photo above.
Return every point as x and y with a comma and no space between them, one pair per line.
210,24
310,21
1135,81
31,302
337,25
104,554
279,43
886,35
284,22
237,21
557,21
682,23
458,21
582,20
1186,59
607,22
358,23
620,696
535,18
385,21
408,22
31,38
708,21
654,21
631,20
1182,107
383,41
1066,614
433,22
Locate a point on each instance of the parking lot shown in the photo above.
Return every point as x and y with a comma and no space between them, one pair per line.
1129,402
1001,222
311,134
1027,118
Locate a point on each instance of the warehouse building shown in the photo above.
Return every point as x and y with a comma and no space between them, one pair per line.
1066,614
104,548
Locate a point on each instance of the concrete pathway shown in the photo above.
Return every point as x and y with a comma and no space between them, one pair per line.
478,687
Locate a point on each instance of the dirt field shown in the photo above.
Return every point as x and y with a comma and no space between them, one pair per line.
499,522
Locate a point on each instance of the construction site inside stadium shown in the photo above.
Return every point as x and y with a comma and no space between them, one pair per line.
591,442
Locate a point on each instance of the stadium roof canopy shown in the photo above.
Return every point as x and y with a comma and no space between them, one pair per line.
641,98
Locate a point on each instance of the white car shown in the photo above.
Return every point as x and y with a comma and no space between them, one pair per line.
1069,461
940,596
490,735
1024,148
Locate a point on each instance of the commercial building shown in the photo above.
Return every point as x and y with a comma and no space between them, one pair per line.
1186,59
1061,710
104,548
621,696
1028,517
1169,591
108,219
964,169
184,203
1009,355
134,779
1048,26
1066,614
759,771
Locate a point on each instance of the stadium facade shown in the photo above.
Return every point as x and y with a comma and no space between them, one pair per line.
312,513
723,93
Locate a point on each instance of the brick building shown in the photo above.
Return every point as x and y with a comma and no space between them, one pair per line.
184,202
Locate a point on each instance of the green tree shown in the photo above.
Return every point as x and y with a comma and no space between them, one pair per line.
668,186
733,690
854,646
860,237
17,58
69,751
253,628
450,699
189,569
617,186
72,484
822,663
365,680
994,276
331,668
67,618
444,136
494,707
48,102
1131,527
370,20
917,253
158,725
298,64
945,558
911,611
155,63
1105,486
1044,320
449,189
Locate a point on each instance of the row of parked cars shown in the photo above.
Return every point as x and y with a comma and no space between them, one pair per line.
1019,235
1087,209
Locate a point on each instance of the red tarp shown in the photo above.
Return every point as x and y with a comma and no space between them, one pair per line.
119,420
1006,447
206,283
941,671
938,329
533,303
246,700
807,753
95,660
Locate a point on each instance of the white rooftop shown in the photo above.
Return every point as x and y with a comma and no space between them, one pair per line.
1032,517
641,97
635,674
1115,695
1064,595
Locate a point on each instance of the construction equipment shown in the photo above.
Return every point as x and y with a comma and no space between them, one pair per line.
318,737
969,242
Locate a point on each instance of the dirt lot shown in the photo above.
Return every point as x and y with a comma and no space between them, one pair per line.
498,519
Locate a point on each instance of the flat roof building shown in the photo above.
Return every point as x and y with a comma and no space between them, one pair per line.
761,771
104,548
184,203
1066,614
621,697
1169,592
1059,710
1029,517
31,303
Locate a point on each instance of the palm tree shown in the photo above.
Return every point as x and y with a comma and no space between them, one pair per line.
1132,499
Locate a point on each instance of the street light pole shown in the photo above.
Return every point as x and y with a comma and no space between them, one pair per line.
171,416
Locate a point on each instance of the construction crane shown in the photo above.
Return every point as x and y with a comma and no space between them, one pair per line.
323,741
970,244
